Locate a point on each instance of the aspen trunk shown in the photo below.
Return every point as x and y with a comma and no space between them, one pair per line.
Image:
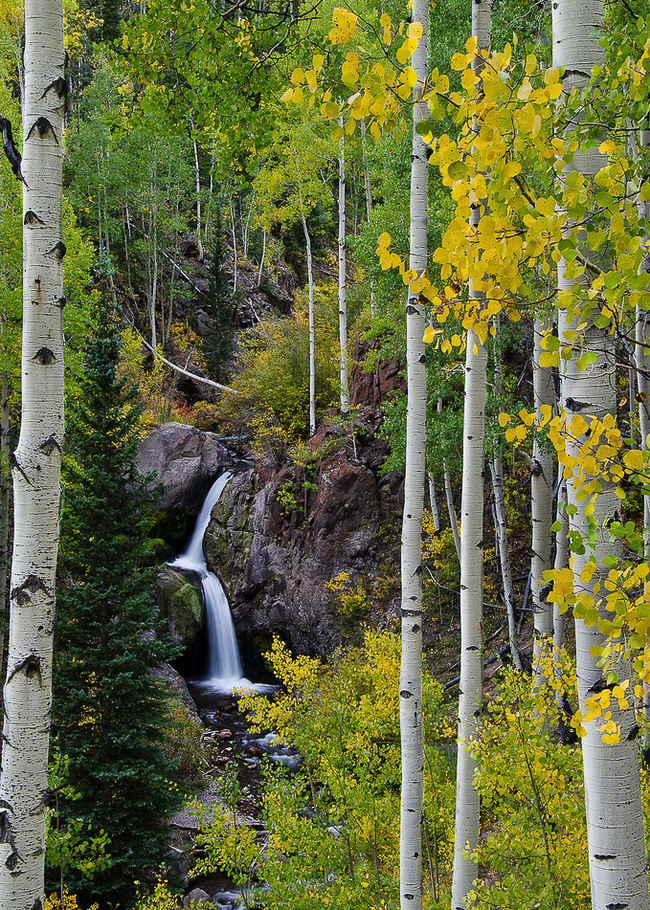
312,332
541,501
343,309
617,860
470,696
410,684
36,470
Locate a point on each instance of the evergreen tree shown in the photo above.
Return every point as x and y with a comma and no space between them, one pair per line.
109,709
220,307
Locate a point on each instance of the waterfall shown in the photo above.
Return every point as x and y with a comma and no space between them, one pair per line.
224,671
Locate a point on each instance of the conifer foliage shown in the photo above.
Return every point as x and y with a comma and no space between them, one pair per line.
220,306
109,708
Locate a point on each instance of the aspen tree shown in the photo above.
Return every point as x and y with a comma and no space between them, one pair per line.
36,468
343,310
541,502
470,697
410,686
617,860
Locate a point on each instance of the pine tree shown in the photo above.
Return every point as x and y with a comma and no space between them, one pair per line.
220,307
109,709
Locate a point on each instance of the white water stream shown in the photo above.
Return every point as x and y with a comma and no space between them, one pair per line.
224,672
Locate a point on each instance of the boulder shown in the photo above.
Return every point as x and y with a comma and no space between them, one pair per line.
181,606
185,460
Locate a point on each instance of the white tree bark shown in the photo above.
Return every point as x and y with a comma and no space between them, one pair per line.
435,514
498,489
617,860
470,698
312,331
410,685
343,309
541,501
36,470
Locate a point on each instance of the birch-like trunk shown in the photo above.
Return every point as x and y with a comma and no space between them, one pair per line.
36,470
197,181
541,502
410,684
470,697
617,860
343,309
501,528
312,331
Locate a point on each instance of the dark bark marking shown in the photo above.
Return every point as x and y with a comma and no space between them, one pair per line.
50,445
634,732
60,86
576,406
58,250
616,906
44,356
472,648
31,666
411,310
416,627
37,905
32,218
61,302
605,856
409,897
7,837
13,462
406,613
42,127
31,584
404,693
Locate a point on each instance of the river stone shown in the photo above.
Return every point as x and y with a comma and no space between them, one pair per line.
181,605
185,460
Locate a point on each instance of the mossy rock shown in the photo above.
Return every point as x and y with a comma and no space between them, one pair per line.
181,606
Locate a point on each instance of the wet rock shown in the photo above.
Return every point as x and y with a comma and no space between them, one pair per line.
276,542
185,461
181,606
196,898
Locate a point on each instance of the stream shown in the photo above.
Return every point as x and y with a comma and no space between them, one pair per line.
214,690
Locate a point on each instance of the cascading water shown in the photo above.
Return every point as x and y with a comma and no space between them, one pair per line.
224,671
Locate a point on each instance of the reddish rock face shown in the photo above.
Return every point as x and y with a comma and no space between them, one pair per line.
372,388
275,543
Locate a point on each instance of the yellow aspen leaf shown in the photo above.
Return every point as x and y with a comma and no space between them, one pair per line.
318,61
607,147
633,460
458,62
524,91
297,95
456,340
287,96
414,30
375,131
409,275
430,333
537,125
383,241
504,419
405,51
297,76
548,359
470,45
474,350
312,80
446,347
337,133
385,21
551,75
526,417
531,64
511,170
409,76
350,127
